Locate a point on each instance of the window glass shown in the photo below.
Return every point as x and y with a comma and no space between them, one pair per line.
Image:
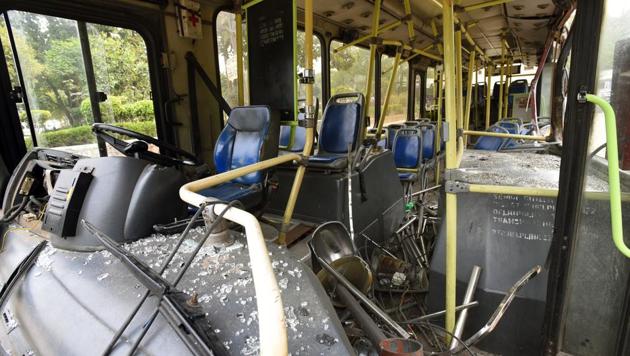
397,108
593,237
348,71
51,59
226,49
122,74
317,68
418,97
15,82
430,99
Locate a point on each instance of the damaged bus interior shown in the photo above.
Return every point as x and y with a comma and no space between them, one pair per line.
315,177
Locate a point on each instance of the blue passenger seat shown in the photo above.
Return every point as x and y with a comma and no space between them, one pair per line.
392,129
382,142
488,143
428,141
407,151
299,138
250,136
342,128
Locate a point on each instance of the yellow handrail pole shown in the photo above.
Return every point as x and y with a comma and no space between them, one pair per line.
409,48
506,92
424,53
239,55
367,37
489,70
504,135
469,94
409,20
457,21
250,4
435,34
438,138
500,109
536,192
435,92
460,93
448,38
310,118
476,104
390,86
410,57
368,90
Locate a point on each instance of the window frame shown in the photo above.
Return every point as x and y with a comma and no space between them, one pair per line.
146,22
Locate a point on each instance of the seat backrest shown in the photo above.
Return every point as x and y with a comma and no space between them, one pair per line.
250,136
411,123
392,129
428,141
342,123
495,91
518,86
299,138
382,142
512,126
491,143
407,148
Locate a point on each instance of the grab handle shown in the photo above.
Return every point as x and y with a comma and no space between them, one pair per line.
613,170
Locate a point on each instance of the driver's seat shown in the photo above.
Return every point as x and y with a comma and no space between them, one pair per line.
250,136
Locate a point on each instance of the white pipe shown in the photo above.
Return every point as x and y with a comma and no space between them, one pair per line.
271,319
271,322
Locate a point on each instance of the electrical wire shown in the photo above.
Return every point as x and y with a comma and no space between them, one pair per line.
149,322
167,262
431,325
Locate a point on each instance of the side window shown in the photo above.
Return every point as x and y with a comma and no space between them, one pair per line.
348,71
430,99
418,97
51,54
317,68
226,49
397,107
122,73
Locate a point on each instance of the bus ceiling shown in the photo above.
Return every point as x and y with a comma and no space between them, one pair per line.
521,28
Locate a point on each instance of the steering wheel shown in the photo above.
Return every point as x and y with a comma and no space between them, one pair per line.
140,148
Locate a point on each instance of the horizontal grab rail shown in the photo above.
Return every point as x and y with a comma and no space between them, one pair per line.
504,135
272,330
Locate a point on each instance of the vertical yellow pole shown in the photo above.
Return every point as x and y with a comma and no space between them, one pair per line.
476,103
310,117
390,86
489,70
435,92
459,63
500,110
460,79
506,92
239,56
469,93
448,37
368,90
438,138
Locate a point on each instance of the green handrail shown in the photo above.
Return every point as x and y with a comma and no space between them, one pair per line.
613,172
